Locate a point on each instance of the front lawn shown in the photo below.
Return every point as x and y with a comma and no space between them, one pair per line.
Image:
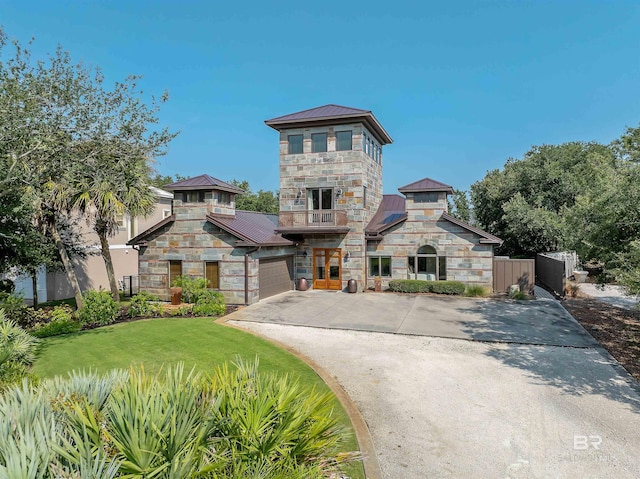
197,342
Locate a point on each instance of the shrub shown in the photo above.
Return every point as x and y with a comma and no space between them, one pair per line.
210,303
192,288
16,310
61,322
573,289
419,286
518,295
144,304
17,351
476,291
99,308
7,286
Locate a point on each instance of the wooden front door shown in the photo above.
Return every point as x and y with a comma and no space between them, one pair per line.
327,268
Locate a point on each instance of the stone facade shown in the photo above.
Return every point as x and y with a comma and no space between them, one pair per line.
356,180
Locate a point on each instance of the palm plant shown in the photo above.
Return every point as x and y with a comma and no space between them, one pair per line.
111,183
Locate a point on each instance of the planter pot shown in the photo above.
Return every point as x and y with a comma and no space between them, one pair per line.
176,296
580,276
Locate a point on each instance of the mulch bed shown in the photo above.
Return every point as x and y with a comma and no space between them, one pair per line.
616,329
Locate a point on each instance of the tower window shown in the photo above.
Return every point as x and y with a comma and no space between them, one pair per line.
343,141
318,142
295,144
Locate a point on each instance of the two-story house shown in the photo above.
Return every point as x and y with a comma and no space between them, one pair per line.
335,224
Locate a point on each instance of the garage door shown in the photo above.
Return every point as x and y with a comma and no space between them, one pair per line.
275,276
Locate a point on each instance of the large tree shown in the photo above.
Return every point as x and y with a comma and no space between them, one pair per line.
59,119
526,203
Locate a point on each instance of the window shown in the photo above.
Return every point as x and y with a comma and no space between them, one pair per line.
427,265
166,213
224,198
121,221
212,273
320,199
364,196
318,142
193,196
380,266
175,270
428,197
364,142
295,144
343,140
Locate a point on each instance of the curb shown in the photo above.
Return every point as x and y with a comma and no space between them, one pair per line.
370,462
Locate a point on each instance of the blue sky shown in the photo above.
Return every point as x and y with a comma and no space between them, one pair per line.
460,86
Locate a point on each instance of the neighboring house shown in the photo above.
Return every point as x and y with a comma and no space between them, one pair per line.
334,223
92,272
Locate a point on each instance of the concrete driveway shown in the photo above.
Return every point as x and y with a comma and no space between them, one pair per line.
476,388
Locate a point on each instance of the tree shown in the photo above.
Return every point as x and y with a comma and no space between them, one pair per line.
534,195
58,117
263,201
109,185
160,181
459,205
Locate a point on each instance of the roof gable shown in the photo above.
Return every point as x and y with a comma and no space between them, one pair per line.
203,182
142,236
425,184
486,238
331,115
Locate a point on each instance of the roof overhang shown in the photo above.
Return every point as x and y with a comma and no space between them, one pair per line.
368,119
138,240
303,230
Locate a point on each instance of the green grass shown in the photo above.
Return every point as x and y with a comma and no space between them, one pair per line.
154,343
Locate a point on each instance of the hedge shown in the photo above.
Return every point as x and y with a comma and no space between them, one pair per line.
419,286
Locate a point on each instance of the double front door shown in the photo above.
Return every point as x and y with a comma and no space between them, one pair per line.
327,268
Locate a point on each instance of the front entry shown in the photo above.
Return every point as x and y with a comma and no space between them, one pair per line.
327,268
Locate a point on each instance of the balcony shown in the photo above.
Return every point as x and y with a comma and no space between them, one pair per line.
312,221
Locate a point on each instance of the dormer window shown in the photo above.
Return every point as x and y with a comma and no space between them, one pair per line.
295,144
318,142
343,141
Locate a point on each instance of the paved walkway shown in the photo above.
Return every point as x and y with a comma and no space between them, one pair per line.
449,408
611,294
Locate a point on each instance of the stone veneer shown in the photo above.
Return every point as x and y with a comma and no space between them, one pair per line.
468,260
348,171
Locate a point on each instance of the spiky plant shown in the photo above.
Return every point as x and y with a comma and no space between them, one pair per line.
268,418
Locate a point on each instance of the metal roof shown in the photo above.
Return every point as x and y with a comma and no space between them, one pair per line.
140,238
331,115
425,184
203,182
251,227
487,238
390,213
161,193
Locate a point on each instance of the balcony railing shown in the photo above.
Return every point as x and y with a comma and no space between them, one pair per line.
312,218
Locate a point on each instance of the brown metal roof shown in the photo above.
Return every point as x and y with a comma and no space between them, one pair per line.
486,238
252,228
329,115
140,238
203,182
425,184
390,213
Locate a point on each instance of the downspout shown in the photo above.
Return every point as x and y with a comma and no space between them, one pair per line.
246,273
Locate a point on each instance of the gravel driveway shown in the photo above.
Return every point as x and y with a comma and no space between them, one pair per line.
458,408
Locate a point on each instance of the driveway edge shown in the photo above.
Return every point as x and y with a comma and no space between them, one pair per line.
369,458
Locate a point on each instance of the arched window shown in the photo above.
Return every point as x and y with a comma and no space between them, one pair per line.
427,264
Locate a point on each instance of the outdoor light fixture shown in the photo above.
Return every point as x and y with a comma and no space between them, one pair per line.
338,193
347,256
299,195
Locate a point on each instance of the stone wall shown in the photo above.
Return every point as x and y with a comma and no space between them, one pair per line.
468,260
194,242
348,171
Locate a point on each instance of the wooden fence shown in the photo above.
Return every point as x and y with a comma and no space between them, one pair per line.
513,271
551,273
